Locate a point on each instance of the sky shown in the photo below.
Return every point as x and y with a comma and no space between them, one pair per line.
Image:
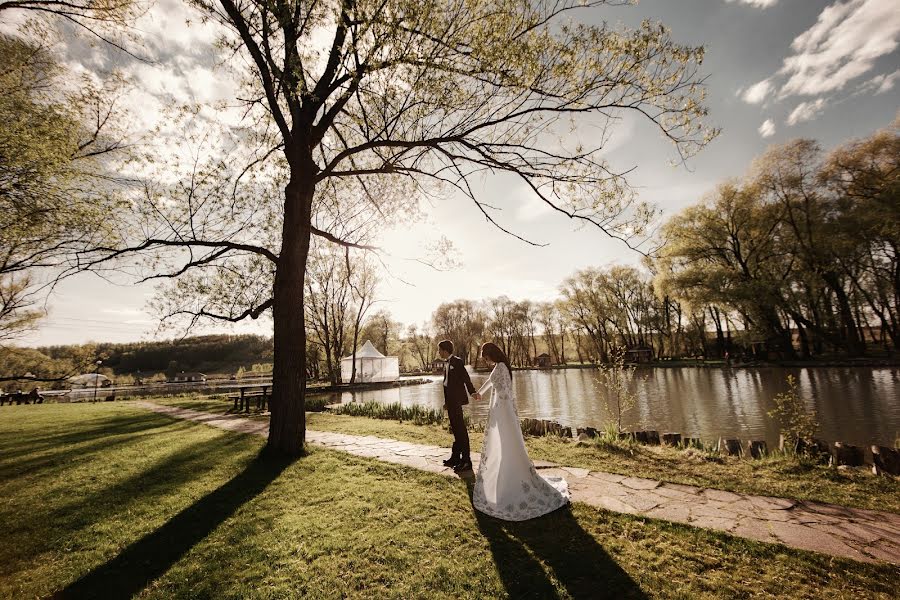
777,70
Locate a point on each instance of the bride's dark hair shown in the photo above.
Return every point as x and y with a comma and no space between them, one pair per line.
493,352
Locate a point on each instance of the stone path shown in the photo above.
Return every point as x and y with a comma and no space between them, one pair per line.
863,535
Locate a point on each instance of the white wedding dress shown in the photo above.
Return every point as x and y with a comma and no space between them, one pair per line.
507,485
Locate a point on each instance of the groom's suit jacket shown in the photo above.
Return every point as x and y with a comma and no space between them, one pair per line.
457,382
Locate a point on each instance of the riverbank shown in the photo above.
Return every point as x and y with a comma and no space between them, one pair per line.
722,364
223,386
775,475
111,501
361,387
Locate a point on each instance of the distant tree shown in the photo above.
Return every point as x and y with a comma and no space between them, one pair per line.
383,330
727,252
863,177
463,323
29,367
363,283
172,370
804,242
329,313
422,344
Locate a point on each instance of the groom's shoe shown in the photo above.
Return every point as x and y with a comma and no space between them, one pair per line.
451,462
462,467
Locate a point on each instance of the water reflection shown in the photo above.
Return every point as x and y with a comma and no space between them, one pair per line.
855,404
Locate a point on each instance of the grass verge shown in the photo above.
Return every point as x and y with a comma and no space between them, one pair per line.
109,500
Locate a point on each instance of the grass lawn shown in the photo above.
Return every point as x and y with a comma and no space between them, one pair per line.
773,476
110,501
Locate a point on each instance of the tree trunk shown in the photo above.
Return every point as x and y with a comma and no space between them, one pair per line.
287,426
855,346
562,346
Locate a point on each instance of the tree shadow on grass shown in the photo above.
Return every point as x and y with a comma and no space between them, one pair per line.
574,560
60,455
151,556
15,444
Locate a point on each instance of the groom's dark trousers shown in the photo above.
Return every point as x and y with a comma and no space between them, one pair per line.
457,387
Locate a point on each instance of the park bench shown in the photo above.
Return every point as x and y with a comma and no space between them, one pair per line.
32,397
245,393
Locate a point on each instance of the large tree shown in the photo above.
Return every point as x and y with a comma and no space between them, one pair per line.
58,185
432,93
863,177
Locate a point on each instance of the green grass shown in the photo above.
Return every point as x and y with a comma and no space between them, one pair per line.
775,475
108,500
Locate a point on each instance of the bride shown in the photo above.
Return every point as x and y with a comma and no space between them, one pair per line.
507,485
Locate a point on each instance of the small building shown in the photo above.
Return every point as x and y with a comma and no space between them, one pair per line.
437,366
543,361
188,378
639,354
371,366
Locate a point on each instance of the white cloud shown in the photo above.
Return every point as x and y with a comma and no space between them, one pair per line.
757,92
843,44
847,39
756,3
767,129
806,111
881,84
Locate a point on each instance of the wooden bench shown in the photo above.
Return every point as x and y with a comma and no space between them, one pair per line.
21,398
242,397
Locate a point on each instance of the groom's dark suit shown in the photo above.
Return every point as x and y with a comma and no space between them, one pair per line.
457,387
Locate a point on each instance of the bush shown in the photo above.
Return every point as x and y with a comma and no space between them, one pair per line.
616,379
798,422
317,403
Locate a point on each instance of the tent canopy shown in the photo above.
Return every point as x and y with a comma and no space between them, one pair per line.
371,366
89,379
368,350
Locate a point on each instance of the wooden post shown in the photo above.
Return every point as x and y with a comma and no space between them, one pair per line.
671,439
730,447
845,454
885,460
757,448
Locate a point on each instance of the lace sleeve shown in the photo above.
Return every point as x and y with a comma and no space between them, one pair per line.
502,381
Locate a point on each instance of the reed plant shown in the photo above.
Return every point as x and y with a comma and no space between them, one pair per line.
418,415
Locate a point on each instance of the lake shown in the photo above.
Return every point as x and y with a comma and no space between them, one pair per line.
857,405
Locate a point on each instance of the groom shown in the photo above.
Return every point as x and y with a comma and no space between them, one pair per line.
456,384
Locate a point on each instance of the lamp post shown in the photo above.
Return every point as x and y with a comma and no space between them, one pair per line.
97,379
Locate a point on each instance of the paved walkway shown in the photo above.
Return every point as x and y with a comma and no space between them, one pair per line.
863,535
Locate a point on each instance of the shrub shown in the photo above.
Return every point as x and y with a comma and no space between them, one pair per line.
616,379
798,422
416,414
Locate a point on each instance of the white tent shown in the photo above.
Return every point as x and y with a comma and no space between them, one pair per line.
371,366
90,380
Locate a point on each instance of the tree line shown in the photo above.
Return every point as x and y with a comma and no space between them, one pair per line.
798,259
